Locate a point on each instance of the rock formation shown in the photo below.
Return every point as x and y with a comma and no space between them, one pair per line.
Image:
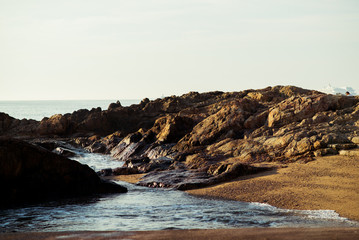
205,135
29,173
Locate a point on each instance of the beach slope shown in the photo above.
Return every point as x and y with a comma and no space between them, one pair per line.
330,182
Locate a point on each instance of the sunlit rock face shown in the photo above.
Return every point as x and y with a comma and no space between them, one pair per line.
209,132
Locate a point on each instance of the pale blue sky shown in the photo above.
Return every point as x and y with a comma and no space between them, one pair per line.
116,49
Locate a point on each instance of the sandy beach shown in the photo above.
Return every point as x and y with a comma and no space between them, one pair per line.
330,182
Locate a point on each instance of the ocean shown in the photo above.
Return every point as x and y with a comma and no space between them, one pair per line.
37,110
142,208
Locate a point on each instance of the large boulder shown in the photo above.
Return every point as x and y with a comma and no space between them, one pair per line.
30,173
227,122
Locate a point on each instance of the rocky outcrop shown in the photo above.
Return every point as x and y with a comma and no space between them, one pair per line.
29,173
182,179
206,134
12,126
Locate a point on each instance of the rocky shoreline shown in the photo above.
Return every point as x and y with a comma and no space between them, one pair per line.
201,139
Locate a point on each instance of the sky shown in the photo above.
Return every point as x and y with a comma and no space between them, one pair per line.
132,49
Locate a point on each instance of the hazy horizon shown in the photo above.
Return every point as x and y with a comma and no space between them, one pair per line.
324,90
77,50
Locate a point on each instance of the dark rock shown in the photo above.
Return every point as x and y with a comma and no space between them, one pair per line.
124,171
97,147
29,173
114,105
105,172
183,179
64,152
159,164
175,179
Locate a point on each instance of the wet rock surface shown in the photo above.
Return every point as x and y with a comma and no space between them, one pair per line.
195,139
184,179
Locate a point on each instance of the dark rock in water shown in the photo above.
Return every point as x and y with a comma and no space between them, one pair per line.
97,147
105,172
64,152
124,171
144,165
183,179
175,179
29,173
136,162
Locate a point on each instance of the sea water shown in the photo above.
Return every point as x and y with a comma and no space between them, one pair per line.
144,208
37,110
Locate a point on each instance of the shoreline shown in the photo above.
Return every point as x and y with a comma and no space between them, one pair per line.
327,183
223,234
315,185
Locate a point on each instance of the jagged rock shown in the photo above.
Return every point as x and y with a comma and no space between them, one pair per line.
129,146
190,179
124,171
201,131
114,105
295,109
144,165
229,119
56,125
163,150
170,129
30,173
97,147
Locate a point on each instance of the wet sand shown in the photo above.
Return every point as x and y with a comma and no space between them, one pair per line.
220,234
327,183
134,178
330,183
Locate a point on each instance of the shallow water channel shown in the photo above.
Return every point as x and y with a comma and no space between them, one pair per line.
155,209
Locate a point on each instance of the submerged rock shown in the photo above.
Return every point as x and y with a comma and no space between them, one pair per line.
29,173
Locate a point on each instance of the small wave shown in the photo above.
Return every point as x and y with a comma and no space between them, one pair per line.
324,214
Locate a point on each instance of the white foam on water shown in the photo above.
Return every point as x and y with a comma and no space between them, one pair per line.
97,161
324,214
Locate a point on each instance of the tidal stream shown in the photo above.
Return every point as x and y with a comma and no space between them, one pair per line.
155,209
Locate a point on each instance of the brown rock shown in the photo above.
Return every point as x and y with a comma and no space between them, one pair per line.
56,125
